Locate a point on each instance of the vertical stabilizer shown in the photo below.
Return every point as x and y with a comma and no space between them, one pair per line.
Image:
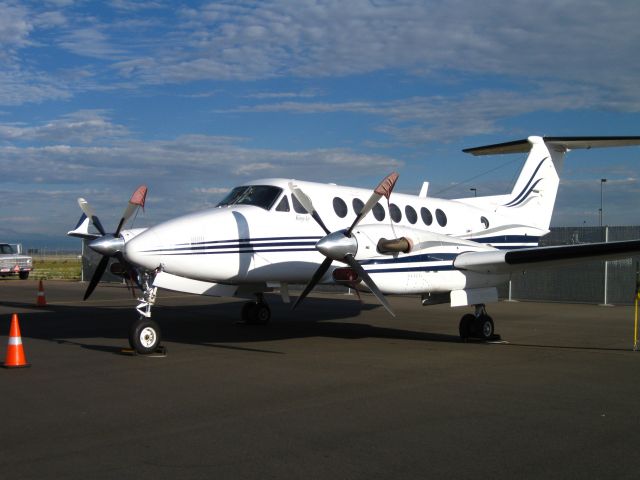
534,193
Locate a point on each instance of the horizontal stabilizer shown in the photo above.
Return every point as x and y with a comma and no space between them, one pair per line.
82,229
563,143
504,261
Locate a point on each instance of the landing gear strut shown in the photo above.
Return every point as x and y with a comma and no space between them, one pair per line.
144,334
478,325
256,313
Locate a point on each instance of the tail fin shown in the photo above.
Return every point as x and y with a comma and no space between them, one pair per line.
534,193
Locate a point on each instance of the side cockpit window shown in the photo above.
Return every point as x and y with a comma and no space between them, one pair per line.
263,196
283,206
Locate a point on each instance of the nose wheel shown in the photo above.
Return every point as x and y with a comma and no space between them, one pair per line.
144,336
478,326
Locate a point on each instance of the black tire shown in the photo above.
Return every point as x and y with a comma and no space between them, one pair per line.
23,275
483,327
466,323
258,314
245,313
144,336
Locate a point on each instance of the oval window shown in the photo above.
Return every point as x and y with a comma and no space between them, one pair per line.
339,207
378,212
394,211
427,218
485,222
358,205
411,214
441,217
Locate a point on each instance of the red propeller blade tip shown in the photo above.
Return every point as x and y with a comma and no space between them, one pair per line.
386,186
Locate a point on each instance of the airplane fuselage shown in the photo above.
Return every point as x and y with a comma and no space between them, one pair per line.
273,239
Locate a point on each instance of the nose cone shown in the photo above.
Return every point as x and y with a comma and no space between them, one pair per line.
107,245
143,250
337,245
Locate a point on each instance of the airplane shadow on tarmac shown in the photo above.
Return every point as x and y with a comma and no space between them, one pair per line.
212,325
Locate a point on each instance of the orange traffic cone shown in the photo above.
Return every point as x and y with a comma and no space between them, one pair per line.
42,300
15,352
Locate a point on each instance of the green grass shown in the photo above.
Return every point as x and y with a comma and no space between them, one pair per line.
57,267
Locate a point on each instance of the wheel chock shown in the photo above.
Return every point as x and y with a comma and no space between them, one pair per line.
160,352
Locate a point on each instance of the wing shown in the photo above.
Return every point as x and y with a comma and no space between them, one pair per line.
505,261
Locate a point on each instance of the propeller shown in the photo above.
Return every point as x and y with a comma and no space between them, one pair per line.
342,246
111,244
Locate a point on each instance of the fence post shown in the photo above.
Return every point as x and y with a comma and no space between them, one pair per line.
606,270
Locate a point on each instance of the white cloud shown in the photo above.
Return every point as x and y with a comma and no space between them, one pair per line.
15,27
84,126
90,41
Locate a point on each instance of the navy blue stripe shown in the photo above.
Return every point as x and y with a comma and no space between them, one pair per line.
434,257
528,183
507,239
249,250
249,240
528,193
435,268
243,245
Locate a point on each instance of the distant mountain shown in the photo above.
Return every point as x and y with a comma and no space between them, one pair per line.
41,242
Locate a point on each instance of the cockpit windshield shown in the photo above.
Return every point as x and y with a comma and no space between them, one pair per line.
263,196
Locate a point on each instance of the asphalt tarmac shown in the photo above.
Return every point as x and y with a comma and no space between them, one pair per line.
333,390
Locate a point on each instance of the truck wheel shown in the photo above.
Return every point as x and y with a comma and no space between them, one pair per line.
23,275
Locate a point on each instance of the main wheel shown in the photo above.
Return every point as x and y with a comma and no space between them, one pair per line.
465,325
483,327
256,313
144,336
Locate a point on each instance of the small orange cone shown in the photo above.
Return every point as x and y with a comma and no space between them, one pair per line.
15,351
42,300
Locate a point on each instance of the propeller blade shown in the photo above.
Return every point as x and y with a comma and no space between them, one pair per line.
353,263
384,189
88,211
137,200
97,275
322,269
305,201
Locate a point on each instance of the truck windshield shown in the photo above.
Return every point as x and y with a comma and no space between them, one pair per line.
4,248
263,196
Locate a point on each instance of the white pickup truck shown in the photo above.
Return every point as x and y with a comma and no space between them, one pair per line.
13,263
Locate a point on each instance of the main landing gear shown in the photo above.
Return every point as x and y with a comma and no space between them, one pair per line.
256,313
478,325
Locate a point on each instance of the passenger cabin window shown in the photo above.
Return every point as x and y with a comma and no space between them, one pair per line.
358,205
378,212
485,222
394,211
411,214
297,206
283,206
441,217
340,207
263,196
427,218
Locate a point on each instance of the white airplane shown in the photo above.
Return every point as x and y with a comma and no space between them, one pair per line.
271,233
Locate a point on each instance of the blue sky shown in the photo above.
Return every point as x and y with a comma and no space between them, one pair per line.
192,98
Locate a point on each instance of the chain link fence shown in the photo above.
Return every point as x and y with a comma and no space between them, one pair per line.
591,281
